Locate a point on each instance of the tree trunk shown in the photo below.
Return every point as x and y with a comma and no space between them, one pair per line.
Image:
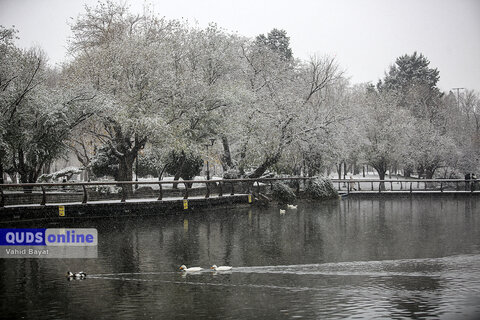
407,172
420,171
243,154
429,174
269,161
178,174
339,170
160,175
381,175
430,171
176,177
1,172
381,167
227,156
356,169
24,171
125,171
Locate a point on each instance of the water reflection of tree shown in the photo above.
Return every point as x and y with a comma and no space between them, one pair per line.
417,297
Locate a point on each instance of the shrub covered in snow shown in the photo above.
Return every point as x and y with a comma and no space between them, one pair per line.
108,189
283,193
294,184
321,188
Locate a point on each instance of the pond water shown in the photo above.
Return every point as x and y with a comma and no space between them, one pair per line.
402,258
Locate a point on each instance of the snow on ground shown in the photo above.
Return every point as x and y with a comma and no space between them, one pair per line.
180,184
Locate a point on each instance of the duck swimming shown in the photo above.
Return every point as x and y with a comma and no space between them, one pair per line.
192,269
291,206
221,268
283,211
79,275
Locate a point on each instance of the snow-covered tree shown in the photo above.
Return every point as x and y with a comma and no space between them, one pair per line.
38,112
463,126
285,102
386,131
164,82
429,148
414,83
123,56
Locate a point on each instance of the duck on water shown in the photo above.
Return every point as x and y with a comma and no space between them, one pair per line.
221,268
79,275
191,269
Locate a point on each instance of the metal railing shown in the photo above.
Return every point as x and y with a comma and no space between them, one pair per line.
220,186
248,186
407,185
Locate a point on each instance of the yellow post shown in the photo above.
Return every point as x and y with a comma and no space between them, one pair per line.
249,198
61,211
185,204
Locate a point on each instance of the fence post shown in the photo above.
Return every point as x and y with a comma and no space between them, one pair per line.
2,198
85,195
410,187
258,187
372,185
208,190
185,196
233,190
220,192
44,196
124,193
441,186
160,192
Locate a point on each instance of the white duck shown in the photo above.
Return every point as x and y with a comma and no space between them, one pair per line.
192,269
282,211
221,268
291,206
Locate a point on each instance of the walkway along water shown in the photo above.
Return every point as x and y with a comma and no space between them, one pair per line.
86,199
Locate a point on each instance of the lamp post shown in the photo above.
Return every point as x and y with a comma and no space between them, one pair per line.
458,96
212,141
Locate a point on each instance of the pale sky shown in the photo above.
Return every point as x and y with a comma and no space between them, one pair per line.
365,35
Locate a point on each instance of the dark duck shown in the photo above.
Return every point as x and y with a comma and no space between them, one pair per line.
77,276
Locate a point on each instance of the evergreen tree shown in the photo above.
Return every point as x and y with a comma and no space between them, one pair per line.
277,41
415,84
